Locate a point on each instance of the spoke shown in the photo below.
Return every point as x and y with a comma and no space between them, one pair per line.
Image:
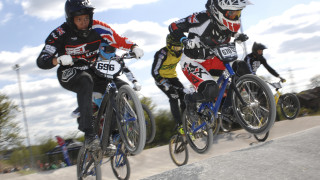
264,109
256,117
249,92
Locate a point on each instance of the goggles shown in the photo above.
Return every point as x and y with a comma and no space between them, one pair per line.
176,48
107,51
232,15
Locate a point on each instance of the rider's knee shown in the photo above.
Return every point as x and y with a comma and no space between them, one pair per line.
209,89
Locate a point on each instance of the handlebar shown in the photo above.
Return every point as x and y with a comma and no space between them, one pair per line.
126,55
276,85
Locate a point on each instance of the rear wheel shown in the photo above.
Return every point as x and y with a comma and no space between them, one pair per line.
86,166
290,105
120,166
131,124
150,124
198,132
258,116
178,150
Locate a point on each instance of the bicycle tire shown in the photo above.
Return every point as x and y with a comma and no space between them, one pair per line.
225,125
259,115
196,129
150,124
119,163
85,165
131,124
290,106
261,137
104,122
177,146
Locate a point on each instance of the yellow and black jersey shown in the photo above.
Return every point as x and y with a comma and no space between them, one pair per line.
164,65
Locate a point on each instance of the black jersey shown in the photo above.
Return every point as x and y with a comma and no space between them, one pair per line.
63,40
200,25
254,63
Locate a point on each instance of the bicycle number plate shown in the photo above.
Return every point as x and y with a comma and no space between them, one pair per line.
227,52
108,67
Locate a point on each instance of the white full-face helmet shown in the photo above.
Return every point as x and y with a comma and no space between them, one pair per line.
227,12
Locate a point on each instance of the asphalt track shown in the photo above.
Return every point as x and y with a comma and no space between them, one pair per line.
292,151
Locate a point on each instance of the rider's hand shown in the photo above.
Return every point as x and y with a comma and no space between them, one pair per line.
138,52
282,79
191,43
240,37
136,86
65,60
165,84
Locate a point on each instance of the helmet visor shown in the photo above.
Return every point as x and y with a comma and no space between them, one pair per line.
232,15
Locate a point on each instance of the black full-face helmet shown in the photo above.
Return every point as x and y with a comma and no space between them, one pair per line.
256,47
76,8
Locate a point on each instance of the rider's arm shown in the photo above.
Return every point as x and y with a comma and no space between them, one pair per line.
129,75
47,58
269,68
178,28
159,58
110,35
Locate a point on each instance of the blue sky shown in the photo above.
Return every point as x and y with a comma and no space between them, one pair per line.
289,28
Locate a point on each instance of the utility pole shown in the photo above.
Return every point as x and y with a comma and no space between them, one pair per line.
17,69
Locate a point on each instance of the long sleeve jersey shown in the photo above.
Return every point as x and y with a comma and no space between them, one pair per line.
254,63
205,28
164,65
64,41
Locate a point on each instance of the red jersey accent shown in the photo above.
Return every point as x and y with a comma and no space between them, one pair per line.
214,63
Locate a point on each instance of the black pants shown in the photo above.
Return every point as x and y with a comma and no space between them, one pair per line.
175,96
84,82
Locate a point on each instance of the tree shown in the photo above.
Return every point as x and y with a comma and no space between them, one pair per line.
9,129
315,81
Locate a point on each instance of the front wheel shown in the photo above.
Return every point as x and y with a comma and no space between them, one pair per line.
225,124
87,168
120,166
259,113
132,125
261,137
178,150
290,106
198,133
150,124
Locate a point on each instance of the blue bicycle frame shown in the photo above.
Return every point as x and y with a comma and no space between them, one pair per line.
222,82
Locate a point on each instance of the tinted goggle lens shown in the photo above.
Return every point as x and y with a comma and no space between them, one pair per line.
233,15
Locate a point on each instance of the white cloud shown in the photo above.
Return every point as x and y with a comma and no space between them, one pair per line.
103,5
6,18
169,21
44,9
148,35
50,10
1,5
